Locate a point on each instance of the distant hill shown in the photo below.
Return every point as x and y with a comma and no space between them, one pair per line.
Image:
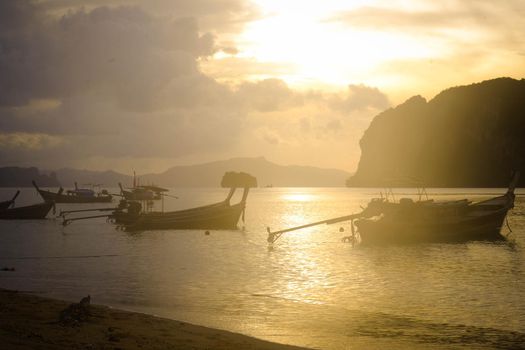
68,176
201,175
22,177
467,136
267,173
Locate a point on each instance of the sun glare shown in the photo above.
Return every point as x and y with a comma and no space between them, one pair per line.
319,50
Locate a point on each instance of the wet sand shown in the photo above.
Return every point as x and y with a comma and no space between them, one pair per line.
28,321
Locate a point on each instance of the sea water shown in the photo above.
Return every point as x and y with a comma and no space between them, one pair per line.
308,289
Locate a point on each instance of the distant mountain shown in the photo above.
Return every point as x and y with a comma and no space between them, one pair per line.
267,173
201,175
467,136
68,176
22,177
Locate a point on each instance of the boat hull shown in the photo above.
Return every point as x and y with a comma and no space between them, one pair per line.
5,204
220,216
49,196
469,228
30,212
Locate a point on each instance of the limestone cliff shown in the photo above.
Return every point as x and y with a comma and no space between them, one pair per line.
467,136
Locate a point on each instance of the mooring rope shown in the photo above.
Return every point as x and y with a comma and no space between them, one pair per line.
508,226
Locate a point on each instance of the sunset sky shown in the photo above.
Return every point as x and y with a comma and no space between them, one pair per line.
146,85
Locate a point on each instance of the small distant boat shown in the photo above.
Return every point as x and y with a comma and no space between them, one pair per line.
408,221
35,211
78,195
218,216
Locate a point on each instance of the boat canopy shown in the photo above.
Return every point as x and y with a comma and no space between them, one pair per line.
82,192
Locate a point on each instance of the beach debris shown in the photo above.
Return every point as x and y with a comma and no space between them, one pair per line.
7,269
76,313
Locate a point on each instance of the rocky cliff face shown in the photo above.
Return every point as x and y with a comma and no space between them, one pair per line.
468,136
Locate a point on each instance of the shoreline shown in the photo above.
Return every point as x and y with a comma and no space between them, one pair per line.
29,321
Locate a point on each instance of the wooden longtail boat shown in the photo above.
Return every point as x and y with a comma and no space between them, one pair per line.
77,195
35,211
428,221
408,221
6,204
30,212
218,216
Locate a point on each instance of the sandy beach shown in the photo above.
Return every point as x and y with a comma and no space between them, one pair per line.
32,322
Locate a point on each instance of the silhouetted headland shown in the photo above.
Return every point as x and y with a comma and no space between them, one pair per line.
467,136
22,177
198,175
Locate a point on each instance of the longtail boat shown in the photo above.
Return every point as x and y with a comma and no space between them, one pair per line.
384,221
8,211
30,212
218,216
6,204
78,195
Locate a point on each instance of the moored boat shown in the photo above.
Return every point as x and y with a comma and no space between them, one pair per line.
8,211
409,221
218,216
78,195
384,221
29,212
6,204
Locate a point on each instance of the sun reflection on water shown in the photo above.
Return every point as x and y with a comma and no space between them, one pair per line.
305,280
298,197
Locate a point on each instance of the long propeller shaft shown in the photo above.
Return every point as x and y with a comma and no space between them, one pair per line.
66,212
273,236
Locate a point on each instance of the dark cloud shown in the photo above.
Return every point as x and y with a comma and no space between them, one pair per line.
233,67
272,139
214,15
360,97
125,81
120,81
334,125
122,51
268,95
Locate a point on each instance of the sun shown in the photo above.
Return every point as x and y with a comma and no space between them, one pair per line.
319,50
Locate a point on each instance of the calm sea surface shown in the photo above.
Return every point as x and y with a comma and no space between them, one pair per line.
310,289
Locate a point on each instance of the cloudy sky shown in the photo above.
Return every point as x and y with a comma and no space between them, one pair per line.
148,84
